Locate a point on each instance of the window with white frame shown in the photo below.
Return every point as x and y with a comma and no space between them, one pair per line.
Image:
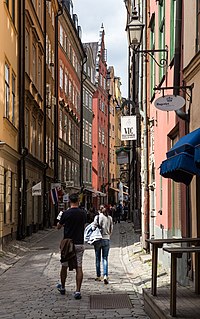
99,135
61,36
7,90
86,132
70,132
90,135
13,98
103,137
61,123
66,84
61,77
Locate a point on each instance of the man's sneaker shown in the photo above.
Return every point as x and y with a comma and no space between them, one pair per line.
60,289
77,295
98,279
105,280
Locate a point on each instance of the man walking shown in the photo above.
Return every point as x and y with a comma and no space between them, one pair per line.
73,220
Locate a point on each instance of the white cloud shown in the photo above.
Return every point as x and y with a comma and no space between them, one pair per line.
112,13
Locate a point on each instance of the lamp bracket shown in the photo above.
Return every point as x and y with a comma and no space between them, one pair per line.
163,62
183,88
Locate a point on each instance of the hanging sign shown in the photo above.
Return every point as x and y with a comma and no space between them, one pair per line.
169,102
128,128
37,189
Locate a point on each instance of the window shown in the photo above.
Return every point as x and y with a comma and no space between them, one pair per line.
27,49
86,132
26,128
33,140
48,159
40,75
13,98
61,77
61,36
152,62
61,124
90,135
103,137
39,140
60,175
7,90
70,132
66,84
83,131
65,169
34,63
161,35
99,135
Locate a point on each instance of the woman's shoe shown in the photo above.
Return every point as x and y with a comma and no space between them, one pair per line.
98,279
105,280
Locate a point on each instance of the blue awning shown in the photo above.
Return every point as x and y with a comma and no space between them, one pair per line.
180,164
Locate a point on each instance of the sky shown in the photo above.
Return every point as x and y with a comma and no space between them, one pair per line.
112,13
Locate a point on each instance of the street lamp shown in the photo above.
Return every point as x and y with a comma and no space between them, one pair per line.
134,30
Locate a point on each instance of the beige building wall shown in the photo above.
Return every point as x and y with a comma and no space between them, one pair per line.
8,120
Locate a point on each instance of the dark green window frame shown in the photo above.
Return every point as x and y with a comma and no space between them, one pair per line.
152,62
161,17
172,28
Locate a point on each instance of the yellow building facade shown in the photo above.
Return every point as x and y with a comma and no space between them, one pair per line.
8,119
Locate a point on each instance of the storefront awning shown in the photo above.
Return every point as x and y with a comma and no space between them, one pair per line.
180,163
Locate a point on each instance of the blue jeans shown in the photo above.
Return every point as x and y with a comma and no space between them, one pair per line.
102,248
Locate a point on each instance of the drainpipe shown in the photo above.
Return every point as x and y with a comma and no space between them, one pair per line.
180,113
83,78
56,106
177,56
44,124
146,159
22,150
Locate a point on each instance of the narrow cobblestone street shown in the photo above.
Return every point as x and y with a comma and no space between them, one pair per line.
28,280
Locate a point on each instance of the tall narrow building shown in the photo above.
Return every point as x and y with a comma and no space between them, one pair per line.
100,123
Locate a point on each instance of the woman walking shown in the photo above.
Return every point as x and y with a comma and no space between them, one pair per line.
102,246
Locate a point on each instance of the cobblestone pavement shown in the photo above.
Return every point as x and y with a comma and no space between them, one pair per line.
29,271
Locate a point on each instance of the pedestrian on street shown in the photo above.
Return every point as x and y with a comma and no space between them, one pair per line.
73,220
102,246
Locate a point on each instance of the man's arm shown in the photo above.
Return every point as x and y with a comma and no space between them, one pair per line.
59,226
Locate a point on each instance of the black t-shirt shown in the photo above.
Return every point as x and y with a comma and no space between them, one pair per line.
74,220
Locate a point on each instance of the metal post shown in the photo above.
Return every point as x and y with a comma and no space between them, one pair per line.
44,125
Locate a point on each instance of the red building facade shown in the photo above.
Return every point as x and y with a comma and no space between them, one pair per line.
100,124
